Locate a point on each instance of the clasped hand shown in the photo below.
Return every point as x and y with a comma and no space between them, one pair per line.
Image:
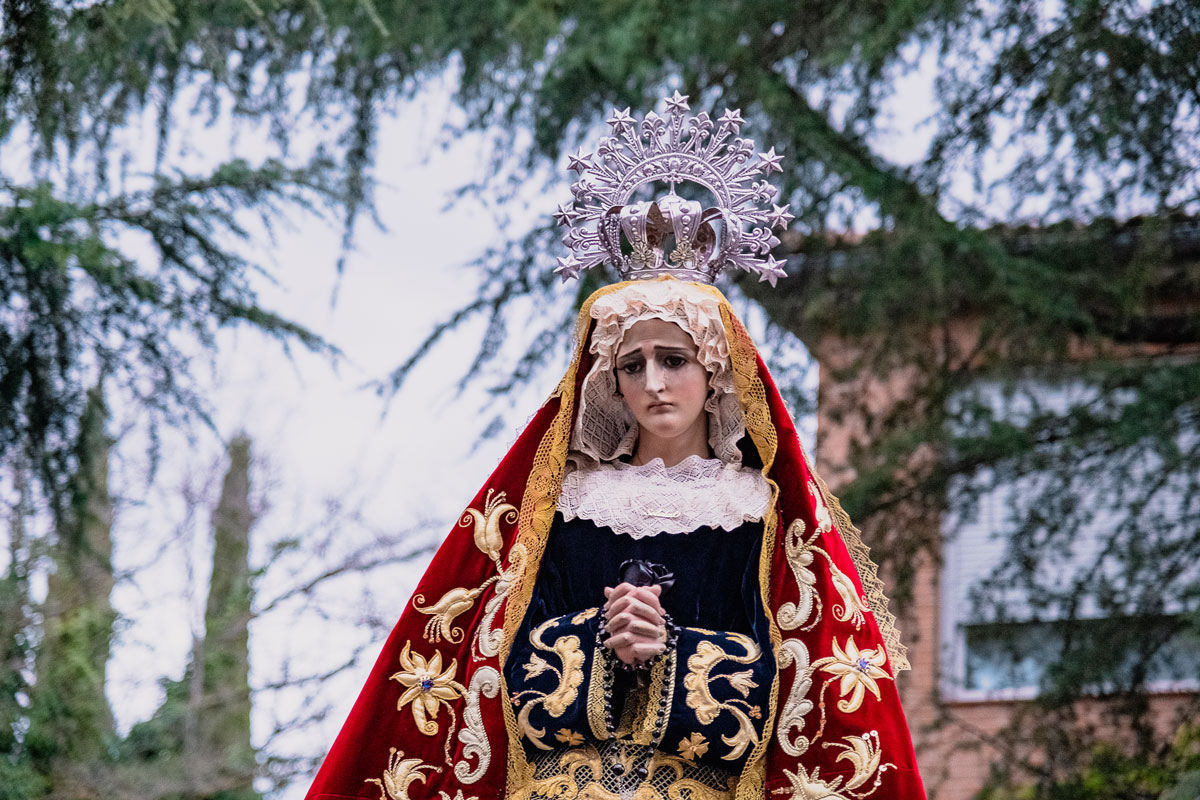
635,621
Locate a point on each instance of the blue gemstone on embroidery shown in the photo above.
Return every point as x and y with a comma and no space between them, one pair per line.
426,684
863,664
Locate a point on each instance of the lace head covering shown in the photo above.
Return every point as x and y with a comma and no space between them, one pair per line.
605,428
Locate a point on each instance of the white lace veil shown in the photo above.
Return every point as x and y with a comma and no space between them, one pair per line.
605,428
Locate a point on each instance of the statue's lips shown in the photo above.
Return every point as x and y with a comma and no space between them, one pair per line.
660,406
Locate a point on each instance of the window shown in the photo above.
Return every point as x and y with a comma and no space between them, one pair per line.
1108,553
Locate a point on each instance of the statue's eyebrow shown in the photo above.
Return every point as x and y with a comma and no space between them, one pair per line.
659,350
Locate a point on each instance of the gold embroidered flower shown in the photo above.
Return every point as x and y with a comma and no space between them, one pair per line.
536,666
693,747
427,686
400,774
858,670
569,737
743,682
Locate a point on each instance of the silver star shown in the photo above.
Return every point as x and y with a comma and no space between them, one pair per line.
771,271
678,103
770,161
580,161
566,214
620,119
568,268
779,216
732,118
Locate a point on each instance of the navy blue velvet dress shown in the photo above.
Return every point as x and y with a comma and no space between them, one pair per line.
705,705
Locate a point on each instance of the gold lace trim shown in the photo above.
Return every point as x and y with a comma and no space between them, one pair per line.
597,713
536,515
591,772
868,574
753,396
648,731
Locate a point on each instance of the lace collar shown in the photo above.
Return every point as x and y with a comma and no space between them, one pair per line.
653,498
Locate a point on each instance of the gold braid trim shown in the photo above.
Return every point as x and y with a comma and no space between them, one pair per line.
597,711
753,396
647,729
536,515
868,573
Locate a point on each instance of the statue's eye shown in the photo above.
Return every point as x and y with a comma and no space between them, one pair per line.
631,368
675,361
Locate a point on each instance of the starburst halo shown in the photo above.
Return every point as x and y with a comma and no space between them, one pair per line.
673,149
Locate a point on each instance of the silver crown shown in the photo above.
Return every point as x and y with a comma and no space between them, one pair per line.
661,151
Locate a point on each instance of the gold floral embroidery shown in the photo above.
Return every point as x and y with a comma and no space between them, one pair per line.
571,657
700,699
487,534
858,671
679,777
821,511
810,787
793,653
473,736
584,616
399,775
864,754
488,639
800,557
590,772
569,737
853,607
573,767
800,552
868,572
427,686
447,609
693,747
490,541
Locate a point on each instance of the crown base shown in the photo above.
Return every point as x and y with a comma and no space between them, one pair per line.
682,273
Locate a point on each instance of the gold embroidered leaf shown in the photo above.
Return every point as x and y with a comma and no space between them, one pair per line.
572,658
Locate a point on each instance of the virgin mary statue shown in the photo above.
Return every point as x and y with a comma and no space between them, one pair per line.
654,596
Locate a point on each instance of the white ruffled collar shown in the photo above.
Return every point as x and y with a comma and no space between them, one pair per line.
652,498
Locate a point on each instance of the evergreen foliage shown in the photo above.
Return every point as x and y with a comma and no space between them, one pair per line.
1066,117
69,717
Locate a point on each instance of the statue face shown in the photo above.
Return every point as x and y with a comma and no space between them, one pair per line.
663,381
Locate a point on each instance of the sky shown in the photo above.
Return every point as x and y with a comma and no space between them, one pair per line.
408,465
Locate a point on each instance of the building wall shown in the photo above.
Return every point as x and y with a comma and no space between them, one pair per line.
956,742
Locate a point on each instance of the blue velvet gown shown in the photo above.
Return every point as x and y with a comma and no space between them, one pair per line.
695,715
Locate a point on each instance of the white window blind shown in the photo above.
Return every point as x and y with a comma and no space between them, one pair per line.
1002,647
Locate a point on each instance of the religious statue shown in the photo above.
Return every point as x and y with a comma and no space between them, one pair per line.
654,596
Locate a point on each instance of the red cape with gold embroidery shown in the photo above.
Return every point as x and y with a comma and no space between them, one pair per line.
434,720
